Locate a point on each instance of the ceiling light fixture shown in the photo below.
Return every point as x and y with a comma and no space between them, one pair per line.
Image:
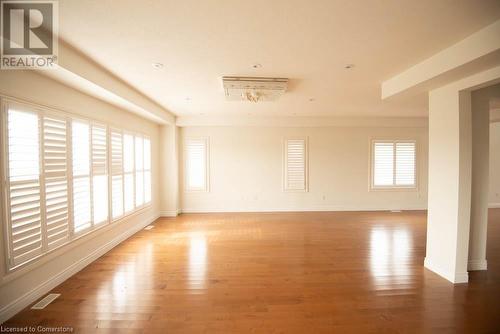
349,66
252,96
257,65
158,66
253,89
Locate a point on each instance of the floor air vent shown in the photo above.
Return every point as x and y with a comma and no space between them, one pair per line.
45,301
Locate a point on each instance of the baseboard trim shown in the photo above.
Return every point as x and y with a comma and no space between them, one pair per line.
19,304
315,209
494,205
170,213
454,278
474,265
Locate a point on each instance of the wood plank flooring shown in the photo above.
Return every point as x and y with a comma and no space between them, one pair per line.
341,272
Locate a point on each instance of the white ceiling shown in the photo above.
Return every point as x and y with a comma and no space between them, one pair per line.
309,42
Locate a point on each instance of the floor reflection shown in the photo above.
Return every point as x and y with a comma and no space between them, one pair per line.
131,278
390,251
197,260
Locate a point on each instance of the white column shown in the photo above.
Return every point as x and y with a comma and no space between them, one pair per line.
480,175
450,153
169,161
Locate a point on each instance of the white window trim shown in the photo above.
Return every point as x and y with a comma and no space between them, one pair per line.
206,188
41,110
371,162
306,164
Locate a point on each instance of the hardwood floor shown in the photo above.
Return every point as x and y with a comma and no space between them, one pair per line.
344,272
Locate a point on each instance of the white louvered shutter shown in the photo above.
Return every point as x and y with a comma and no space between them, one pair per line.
147,170
128,166
81,175
295,164
394,164
25,223
116,173
383,163
99,174
196,163
139,171
55,168
405,163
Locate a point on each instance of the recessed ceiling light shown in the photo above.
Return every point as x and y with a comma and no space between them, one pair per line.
257,65
349,66
158,66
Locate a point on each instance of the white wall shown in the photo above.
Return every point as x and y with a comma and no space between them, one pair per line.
19,288
494,198
246,170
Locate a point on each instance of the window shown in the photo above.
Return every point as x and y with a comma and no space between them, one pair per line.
147,170
393,164
116,173
99,174
81,176
131,172
128,172
57,177
139,171
25,223
295,164
196,166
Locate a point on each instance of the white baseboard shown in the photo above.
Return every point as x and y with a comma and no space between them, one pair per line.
170,213
474,265
454,278
311,209
494,205
19,304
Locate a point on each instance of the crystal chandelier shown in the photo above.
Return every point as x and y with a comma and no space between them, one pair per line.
252,96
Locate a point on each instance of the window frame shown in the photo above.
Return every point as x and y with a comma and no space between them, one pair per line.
393,187
6,102
206,187
285,164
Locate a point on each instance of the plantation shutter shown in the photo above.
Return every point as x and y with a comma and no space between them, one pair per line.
139,171
147,170
394,164
116,173
295,164
55,167
99,174
128,167
81,176
383,166
196,151
25,223
405,164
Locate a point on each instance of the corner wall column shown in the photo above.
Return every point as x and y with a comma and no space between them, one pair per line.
450,162
169,184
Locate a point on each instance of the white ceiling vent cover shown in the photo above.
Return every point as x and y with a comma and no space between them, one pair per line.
253,89
45,301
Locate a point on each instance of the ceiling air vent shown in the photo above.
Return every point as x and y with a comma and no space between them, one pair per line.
253,89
